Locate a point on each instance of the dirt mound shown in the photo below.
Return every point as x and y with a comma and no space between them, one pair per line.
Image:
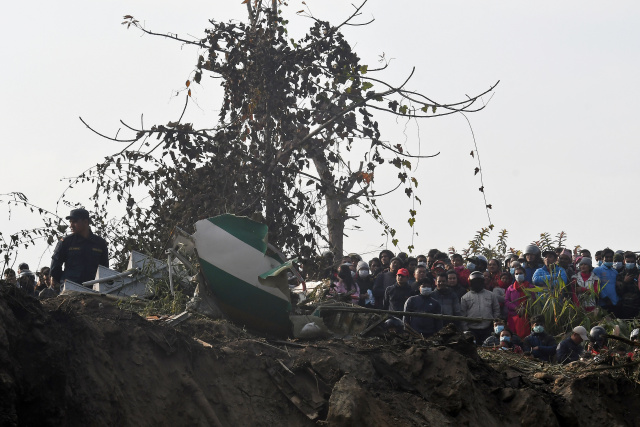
80,360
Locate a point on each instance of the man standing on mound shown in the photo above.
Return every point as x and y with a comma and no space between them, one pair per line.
81,252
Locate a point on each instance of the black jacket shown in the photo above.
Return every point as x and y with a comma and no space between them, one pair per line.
395,296
80,257
383,281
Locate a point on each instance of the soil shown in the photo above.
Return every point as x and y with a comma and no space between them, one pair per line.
82,360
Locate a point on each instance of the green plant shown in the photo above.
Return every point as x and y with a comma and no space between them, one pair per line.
560,311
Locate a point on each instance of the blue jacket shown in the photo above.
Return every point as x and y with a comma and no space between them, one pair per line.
528,272
542,276
608,276
423,304
545,343
568,351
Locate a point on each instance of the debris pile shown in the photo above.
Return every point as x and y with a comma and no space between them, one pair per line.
82,360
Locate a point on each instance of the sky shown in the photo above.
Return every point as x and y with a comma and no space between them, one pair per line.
558,140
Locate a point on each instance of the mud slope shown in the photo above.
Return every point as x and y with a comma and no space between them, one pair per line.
83,361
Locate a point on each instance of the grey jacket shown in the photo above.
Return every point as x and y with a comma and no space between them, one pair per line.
480,304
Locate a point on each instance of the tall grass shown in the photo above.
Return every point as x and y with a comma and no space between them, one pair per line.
561,314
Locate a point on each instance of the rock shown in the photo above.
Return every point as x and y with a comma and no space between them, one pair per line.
545,376
507,394
351,405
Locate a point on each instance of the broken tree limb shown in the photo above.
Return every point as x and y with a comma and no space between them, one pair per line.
403,313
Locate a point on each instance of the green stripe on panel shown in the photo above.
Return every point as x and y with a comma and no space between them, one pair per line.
251,232
247,304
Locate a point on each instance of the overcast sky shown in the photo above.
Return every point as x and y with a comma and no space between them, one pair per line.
558,141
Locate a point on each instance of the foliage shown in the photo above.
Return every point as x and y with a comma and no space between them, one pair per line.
559,310
479,245
162,303
293,113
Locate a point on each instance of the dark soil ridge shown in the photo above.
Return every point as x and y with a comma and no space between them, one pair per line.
81,360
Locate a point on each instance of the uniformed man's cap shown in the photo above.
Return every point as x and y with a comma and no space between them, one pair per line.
79,214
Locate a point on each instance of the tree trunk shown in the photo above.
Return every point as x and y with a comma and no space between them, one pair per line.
336,213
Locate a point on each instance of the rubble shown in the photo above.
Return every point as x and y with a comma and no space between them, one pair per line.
82,360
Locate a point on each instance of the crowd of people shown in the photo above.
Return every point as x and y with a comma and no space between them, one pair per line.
491,298
25,279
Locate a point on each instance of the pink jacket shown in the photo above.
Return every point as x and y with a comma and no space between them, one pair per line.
513,298
355,290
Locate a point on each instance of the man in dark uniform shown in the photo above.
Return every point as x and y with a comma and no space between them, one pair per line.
81,252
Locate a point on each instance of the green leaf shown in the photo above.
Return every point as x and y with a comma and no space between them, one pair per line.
367,85
363,69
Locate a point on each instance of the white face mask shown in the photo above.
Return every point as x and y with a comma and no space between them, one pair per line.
363,273
520,278
425,291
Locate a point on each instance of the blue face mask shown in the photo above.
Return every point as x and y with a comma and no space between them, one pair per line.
617,265
599,263
538,329
512,271
498,329
630,265
471,266
608,264
506,339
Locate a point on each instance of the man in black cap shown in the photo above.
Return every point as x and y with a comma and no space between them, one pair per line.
81,252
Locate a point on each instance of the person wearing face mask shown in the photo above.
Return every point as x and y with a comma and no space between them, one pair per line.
423,303
598,258
618,261
395,296
346,285
449,302
513,265
539,344
365,284
516,300
493,340
607,275
585,286
386,280
479,303
507,344
627,288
